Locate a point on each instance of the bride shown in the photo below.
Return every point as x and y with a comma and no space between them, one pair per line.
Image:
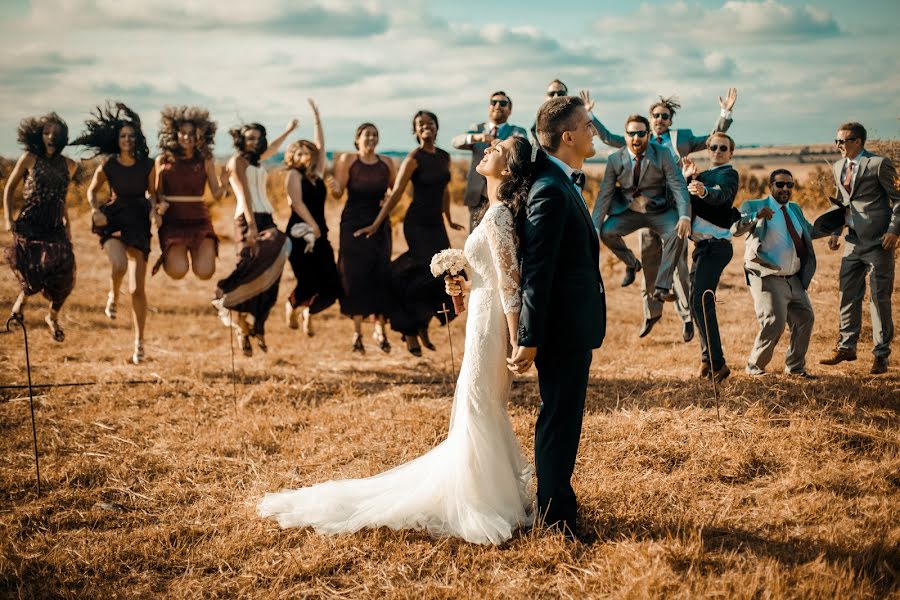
476,484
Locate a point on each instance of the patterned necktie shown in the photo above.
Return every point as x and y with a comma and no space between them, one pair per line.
848,177
799,246
637,175
579,179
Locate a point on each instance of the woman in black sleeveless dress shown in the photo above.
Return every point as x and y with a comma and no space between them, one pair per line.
318,281
364,261
123,223
417,294
41,255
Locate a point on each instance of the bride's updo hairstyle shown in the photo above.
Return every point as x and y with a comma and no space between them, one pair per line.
513,191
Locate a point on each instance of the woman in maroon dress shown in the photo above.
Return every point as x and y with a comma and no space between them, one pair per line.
318,281
123,223
41,255
417,294
183,171
364,261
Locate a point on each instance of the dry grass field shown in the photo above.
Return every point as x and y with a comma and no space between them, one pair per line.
149,490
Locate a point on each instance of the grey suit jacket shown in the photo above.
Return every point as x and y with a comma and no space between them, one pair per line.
476,185
875,202
683,140
661,179
755,259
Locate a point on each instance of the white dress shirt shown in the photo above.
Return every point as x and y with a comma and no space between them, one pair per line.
778,243
852,163
568,171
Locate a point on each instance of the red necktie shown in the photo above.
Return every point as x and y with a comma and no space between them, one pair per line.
494,131
799,246
848,177
637,175
659,139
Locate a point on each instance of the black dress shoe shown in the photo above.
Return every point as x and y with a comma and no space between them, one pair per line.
664,295
803,375
630,274
648,326
687,331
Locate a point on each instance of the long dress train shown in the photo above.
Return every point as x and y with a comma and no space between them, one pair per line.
476,484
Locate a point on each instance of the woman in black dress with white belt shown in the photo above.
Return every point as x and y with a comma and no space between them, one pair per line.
318,282
364,261
417,295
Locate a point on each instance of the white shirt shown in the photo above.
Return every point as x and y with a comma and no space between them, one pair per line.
778,243
701,229
852,163
568,171
488,127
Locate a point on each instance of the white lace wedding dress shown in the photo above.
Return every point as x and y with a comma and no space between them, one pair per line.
476,484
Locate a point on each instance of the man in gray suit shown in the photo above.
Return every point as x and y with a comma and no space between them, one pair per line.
681,143
779,262
477,139
866,188
651,193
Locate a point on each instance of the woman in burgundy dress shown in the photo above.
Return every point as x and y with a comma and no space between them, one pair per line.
364,261
183,171
123,223
417,294
41,255
318,281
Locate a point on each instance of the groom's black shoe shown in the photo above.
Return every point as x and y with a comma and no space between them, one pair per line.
648,326
630,274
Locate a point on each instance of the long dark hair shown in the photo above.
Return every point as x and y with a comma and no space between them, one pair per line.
31,133
513,191
237,135
425,113
102,133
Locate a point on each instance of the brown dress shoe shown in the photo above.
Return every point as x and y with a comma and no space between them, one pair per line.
703,371
879,365
722,374
839,355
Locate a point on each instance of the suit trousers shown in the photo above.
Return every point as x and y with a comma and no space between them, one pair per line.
662,223
879,264
708,261
651,256
562,379
780,300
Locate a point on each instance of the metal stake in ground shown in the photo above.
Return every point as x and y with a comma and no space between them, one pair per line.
231,344
712,371
17,318
446,312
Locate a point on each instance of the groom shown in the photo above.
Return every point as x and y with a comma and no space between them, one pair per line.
563,313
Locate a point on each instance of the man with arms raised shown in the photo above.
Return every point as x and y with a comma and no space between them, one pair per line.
563,313
477,139
867,188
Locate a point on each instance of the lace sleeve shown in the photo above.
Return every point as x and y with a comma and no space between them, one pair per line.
501,235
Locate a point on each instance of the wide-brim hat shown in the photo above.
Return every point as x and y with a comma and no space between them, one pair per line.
832,221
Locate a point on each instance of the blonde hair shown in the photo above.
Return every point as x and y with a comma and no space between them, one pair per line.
291,163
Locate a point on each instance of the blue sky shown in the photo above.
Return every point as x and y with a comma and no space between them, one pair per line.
801,68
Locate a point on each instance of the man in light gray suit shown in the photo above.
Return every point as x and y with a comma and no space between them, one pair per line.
866,188
681,143
651,193
477,139
779,262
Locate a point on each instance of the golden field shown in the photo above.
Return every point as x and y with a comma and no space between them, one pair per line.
149,490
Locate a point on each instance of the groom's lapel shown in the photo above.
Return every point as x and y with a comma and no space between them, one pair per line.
577,198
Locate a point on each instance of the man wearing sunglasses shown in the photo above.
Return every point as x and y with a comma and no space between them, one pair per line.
651,193
477,139
555,89
681,143
866,188
779,263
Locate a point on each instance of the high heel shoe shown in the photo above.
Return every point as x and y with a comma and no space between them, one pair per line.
307,326
138,356
55,330
244,343
290,315
110,309
412,344
261,342
426,341
358,344
381,339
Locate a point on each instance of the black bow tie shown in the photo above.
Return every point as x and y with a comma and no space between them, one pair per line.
579,179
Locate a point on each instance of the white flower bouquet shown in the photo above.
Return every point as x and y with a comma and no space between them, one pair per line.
450,263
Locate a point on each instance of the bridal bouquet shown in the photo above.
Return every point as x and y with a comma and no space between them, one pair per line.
450,263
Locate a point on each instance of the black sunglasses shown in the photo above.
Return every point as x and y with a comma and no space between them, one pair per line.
559,93
641,134
663,116
717,147
503,103
784,184
845,140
